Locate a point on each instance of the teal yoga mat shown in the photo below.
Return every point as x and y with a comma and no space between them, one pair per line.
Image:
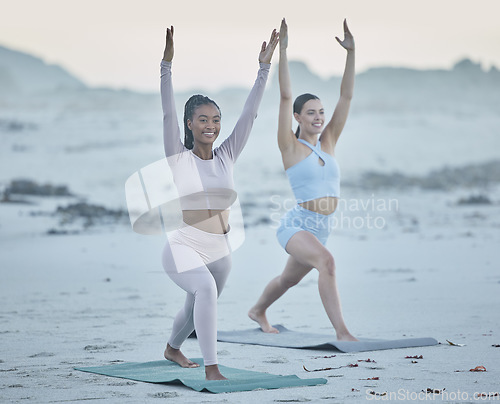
168,372
295,339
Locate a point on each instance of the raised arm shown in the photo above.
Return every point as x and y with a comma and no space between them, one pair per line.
171,132
332,131
286,137
234,144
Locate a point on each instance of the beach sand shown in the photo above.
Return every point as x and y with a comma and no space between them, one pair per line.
102,297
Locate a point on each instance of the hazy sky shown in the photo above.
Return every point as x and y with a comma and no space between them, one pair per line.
119,43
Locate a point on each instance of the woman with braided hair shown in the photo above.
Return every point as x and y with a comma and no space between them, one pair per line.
197,256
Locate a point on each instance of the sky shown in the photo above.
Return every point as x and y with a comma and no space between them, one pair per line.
119,43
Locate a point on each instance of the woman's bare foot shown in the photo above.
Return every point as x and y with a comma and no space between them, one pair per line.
261,319
175,355
212,372
346,337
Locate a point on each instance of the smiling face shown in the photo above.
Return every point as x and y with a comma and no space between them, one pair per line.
311,118
205,124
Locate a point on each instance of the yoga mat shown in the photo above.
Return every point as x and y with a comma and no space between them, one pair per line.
169,372
295,339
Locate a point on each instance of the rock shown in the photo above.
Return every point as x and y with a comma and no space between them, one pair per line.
91,214
475,200
471,175
30,187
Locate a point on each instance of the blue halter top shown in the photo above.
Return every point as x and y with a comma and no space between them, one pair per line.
312,180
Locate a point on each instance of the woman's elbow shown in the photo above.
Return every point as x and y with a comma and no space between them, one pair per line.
286,96
347,97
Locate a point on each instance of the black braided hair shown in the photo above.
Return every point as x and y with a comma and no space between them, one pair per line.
298,104
194,102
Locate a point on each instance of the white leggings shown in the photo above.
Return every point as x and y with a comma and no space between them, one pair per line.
198,262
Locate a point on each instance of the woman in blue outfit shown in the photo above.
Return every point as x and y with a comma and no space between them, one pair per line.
308,158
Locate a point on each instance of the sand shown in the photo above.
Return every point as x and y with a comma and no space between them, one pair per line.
102,297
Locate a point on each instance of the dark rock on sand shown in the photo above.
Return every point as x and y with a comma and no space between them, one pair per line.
10,125
468,176
94,348
30,187
90,214
42,355
58,232
164,394
475,200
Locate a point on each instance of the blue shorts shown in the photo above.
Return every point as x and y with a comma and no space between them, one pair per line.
298,219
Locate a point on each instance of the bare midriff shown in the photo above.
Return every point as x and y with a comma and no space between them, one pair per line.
324,206
210,220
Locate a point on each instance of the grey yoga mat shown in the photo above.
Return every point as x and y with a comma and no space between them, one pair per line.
296,339
168,372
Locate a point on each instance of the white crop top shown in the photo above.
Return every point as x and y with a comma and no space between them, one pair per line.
206,184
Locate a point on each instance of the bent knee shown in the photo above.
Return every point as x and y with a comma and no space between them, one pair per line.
206,293
327,264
